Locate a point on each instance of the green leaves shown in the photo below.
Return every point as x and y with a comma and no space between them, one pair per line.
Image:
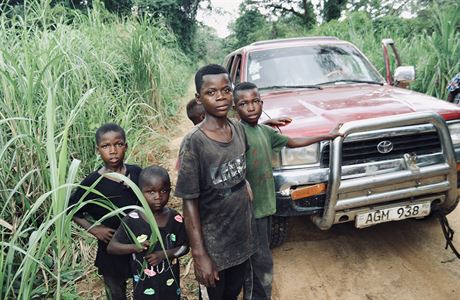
62,75
434,50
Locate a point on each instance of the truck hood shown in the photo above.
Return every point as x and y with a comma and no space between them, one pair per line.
316,112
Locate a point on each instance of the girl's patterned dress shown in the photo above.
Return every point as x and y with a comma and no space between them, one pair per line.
160,281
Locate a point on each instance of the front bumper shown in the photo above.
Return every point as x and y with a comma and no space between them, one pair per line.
357,188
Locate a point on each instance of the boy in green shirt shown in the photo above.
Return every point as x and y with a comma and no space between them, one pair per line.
262,140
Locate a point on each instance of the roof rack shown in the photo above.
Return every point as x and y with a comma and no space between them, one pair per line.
305,38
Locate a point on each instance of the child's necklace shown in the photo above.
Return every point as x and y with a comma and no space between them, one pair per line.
162,267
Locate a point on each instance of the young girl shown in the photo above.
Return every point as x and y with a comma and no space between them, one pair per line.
156,272
111,146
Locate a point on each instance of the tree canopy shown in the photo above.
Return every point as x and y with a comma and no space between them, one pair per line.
332,9
301,10
179,15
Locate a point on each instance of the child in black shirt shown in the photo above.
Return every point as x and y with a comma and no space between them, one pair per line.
156,272
112,146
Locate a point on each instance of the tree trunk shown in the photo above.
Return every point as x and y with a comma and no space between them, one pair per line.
305,12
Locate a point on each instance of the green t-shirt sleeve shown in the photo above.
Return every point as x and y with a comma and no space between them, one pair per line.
277,140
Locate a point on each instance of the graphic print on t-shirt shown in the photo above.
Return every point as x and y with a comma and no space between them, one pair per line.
229,173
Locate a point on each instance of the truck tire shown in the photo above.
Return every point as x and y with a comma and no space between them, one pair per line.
279,232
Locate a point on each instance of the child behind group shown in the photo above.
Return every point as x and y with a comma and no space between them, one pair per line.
195,111
262,141
111,145
216,199
156,272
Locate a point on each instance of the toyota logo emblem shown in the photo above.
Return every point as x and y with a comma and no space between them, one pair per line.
385,147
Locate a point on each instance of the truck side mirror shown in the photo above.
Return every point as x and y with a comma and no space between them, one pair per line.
404,75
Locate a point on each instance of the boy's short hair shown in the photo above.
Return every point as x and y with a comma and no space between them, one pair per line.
243,86
149,172
107,127
194,110
212,69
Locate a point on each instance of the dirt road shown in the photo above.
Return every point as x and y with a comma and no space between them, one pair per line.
398,260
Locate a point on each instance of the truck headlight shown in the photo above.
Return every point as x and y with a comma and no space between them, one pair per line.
455,133
300,156
276,160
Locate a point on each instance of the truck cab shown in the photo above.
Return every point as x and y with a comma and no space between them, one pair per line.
398,151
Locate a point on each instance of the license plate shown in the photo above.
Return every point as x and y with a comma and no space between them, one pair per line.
392,214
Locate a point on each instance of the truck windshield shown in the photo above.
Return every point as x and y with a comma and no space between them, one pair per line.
309,66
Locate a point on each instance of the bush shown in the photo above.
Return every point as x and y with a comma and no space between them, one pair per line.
435,52
62,74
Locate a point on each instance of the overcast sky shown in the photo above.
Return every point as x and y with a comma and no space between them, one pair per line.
218,21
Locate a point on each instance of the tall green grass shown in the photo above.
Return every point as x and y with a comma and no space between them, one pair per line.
62,74
435,52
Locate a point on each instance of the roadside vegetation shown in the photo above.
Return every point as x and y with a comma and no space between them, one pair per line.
66,67
429,40
63,73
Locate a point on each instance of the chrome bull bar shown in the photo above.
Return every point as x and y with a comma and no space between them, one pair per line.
336,186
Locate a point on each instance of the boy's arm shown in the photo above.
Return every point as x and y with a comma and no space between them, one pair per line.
115,247
205,269
101,232
180,242
278,121
305,141
156,257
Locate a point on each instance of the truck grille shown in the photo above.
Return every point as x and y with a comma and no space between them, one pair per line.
357,152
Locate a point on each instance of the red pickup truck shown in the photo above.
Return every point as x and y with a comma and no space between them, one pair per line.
398,153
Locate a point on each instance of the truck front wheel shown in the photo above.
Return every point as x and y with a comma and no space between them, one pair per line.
279,232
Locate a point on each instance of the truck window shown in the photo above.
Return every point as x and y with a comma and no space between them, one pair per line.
308,65
229,63
235,73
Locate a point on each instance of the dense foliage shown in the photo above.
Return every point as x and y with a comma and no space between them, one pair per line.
60,80
430,41
178,15
301,11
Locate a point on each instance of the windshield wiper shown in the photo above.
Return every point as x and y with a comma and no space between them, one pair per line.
352,81
272,87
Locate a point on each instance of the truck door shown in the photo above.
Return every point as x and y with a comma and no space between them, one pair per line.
403,75
235,73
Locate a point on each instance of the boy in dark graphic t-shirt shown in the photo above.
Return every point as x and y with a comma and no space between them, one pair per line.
216,197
